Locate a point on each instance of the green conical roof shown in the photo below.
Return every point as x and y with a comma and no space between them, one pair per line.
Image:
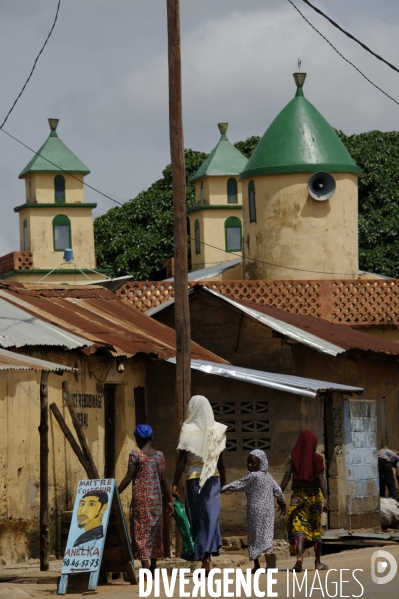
225,159
58,154
299,140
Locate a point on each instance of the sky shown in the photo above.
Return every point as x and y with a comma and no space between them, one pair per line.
104,74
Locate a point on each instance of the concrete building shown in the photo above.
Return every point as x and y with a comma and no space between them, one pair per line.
53,218
105,347
216,220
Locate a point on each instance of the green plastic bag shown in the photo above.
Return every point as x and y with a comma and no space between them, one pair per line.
184,528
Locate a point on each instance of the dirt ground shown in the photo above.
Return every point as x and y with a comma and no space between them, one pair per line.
346,561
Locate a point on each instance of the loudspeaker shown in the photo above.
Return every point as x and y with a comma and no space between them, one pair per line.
321,186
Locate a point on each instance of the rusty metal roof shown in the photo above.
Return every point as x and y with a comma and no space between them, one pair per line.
332,338
12,361
19,329
100,316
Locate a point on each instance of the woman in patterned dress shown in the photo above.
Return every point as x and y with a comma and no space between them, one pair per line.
146,469
261,488
303,523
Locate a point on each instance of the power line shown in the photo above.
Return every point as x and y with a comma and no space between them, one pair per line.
34,65
352,37
341,55
319,272
61,169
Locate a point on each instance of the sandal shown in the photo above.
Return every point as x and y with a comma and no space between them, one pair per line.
297,569
323,567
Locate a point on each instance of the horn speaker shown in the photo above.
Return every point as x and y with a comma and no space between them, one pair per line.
321,186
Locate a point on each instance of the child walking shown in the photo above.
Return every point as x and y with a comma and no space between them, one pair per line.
146,468
260,488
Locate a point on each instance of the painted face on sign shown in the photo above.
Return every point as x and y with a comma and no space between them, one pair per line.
91,511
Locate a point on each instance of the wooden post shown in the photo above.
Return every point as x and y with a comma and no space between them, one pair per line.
72,441
182,314
43,430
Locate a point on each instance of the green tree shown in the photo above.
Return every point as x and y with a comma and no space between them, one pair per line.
377,154
247,147
137,237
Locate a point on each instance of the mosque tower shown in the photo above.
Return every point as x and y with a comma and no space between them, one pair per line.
300,199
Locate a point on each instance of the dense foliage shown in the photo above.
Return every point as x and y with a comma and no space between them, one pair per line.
137,238
377,154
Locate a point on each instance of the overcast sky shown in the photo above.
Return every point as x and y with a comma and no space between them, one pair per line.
104,75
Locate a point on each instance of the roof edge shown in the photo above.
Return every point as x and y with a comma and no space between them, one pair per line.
286,169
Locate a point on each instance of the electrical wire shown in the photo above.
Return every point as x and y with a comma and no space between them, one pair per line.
319,272
61,169
352,37
341,55
34,65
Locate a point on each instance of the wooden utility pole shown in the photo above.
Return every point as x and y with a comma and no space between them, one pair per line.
182,314
43,430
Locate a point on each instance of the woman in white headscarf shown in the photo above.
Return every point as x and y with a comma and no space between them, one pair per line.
260,488
201,443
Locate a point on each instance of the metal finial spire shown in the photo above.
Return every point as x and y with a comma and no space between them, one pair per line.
299,64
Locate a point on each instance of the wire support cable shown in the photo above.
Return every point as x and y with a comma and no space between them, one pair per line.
341,55
34,65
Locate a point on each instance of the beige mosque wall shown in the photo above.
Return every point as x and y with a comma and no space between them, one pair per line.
320,239
215,190
212,235
19,444
42,185
41,242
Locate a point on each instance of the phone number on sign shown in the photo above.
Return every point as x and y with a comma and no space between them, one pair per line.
81,563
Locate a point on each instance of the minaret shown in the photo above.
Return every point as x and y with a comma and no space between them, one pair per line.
55,216
300,199
216,220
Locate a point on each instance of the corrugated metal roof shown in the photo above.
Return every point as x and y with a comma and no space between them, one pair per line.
278,324
281,382
329,334
210,272
103,318
18,329
12,361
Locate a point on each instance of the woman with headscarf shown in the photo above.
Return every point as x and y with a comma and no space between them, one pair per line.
201,443
308,499
146,469
260,488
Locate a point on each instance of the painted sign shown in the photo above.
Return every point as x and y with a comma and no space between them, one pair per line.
89,524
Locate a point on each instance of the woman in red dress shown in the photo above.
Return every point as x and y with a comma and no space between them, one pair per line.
146,470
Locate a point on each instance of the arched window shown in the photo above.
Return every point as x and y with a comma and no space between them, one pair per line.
202,193
252,202
30,189
59,188
232,191
62,233
25,236
233,234
197,237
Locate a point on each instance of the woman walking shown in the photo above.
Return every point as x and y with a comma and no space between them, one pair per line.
146,469
261,488
201,443
303,523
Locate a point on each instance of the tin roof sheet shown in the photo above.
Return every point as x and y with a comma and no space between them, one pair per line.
12,361
19,328
281,382
98,315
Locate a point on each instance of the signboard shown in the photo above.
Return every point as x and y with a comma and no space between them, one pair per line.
97,505
89,524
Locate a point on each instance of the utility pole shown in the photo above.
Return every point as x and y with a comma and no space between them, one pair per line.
182,314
